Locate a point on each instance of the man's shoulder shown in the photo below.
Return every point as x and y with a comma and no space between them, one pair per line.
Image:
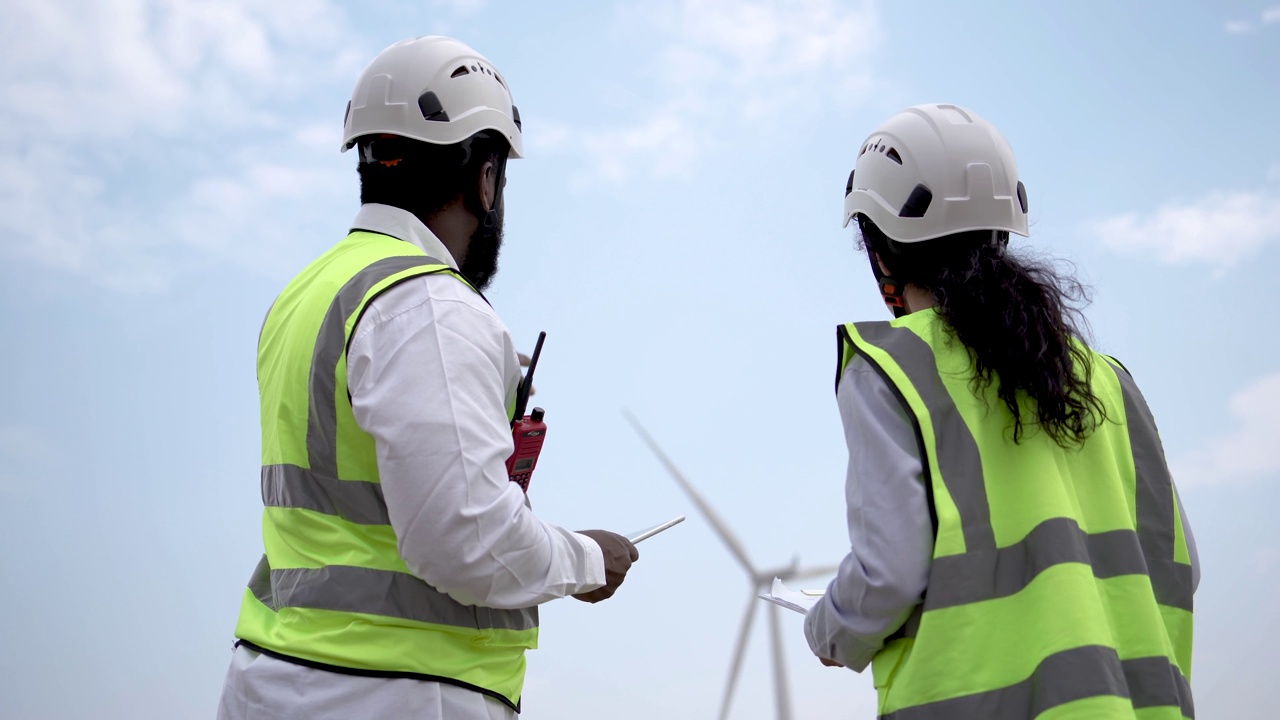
441,296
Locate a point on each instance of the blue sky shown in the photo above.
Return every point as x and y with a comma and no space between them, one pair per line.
675,229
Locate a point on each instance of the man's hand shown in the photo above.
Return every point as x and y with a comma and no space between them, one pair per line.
830,663
619,553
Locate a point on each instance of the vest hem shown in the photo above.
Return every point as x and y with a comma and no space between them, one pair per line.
389,674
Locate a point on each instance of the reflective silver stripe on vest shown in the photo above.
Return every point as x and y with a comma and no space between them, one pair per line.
985,572
958,457
1156,682
356,501
976,577
318,488
331,344
1064,677
1155,500
379,592
260,583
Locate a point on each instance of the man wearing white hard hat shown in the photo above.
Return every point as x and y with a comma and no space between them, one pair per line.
402,569
1017,547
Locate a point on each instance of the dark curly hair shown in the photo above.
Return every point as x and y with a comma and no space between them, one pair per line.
1019,318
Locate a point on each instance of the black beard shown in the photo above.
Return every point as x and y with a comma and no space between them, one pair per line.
481,263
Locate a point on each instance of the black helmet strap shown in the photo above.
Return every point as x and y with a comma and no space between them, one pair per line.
890,289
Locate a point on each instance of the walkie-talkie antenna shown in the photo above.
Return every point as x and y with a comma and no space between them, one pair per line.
522,392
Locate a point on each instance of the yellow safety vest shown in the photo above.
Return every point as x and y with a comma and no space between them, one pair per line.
1060,584
332,590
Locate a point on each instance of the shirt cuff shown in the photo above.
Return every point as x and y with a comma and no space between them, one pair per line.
592,561
831,639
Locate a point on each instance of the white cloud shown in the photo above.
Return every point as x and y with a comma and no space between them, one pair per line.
1268,16
263,217
546,135
1246,451
1219,229
320,136
767,46
729,66
54,217
116,109
463,7
665,141
94,70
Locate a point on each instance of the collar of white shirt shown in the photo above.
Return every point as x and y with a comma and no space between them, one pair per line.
401,225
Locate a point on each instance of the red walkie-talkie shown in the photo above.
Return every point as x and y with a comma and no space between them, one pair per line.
527,431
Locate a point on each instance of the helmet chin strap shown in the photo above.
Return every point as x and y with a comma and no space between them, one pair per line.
489,227
489,223
890,289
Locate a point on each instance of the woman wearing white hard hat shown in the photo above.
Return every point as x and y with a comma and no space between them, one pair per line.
1017,545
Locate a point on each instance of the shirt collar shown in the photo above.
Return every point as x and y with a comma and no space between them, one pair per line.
402,225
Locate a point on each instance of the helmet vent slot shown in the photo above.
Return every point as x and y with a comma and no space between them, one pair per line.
462,70
894,156
1022,197
917,203
848,187
431,108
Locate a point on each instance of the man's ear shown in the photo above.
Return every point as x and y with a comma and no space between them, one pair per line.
488,184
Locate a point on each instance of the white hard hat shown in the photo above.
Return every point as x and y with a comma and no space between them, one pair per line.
935,170
434,89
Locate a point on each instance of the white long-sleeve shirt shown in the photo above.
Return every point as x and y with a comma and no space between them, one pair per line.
883,578
430,370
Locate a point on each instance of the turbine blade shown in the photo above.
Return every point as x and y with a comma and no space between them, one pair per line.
781,693
726,535
739,651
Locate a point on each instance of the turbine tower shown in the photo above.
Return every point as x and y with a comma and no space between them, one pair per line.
759,580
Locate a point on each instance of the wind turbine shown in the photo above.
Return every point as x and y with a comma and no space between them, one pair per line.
759,580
